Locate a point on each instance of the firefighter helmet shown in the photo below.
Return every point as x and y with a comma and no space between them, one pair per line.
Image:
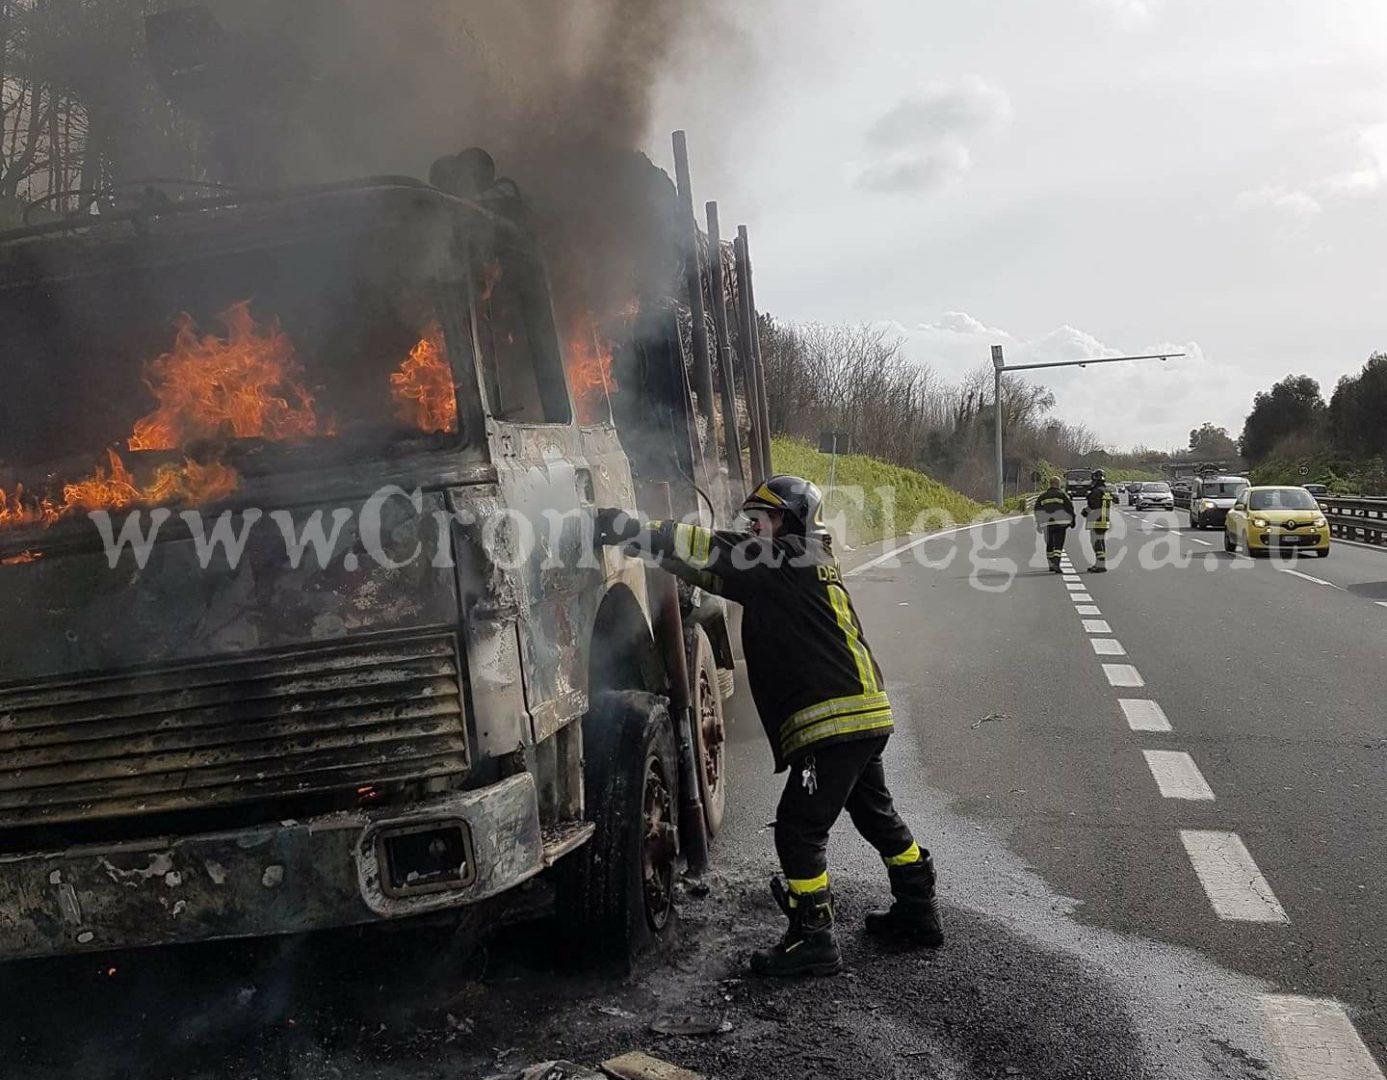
1099,476
797,498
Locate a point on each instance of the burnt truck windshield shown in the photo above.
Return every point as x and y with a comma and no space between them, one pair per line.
155,386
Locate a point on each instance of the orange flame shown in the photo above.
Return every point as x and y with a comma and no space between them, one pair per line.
589,370
423,389
242,386
23,558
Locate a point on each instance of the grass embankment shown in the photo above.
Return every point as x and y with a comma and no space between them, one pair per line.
1341,477
875,500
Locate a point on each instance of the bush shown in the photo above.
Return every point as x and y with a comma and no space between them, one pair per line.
919,500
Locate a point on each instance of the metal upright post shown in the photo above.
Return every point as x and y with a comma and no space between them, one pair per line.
703,366
767,463
746,332
999,365
731,436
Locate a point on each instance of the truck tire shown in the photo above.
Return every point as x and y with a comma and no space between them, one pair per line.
710,731
615,895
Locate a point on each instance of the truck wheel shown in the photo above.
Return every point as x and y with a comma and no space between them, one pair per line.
616,894
710,731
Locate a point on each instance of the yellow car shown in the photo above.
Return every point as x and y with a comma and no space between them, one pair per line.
1267,519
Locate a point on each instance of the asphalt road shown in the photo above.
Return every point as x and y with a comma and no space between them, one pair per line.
1249,837
1097,928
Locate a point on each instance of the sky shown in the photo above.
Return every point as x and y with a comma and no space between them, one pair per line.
1066,179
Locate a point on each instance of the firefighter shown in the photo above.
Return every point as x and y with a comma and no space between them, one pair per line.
1054,517
822,703
1098,513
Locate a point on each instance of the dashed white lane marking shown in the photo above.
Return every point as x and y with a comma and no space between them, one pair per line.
1123,675
1071,579
1088,609
1074,586
1314,1039
1381,603
1177,775
1196,540
1143,715
1107,647
1097,626
1235,887
1307,577
898,551
1081,598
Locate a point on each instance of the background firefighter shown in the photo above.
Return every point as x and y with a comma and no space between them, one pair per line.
821,700
1098,513
1054,517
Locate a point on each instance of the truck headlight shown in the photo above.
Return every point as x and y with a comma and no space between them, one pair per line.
1206,504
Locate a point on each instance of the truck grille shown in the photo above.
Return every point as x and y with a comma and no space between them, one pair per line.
257,728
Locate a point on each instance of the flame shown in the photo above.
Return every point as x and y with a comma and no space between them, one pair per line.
22,558
423,389
242,386
589,367
114,487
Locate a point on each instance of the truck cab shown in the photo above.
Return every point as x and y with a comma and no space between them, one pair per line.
305,627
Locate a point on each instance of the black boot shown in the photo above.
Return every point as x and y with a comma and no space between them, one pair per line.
914,918
808,947
1098,568
1054,566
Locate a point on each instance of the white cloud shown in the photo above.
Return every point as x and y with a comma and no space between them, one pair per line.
922,142
1282,200
1131,14
1146,402
1370,175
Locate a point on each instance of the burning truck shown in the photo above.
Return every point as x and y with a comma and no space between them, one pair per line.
304,627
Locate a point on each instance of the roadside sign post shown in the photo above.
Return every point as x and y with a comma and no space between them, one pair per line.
833,443
1000,365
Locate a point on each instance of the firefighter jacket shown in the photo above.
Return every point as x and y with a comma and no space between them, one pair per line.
1054,508
812,675
1099,508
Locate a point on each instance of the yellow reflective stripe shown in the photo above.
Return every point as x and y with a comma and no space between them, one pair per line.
765,494
856,724
842,611
693,544
804,886
906,857
835,707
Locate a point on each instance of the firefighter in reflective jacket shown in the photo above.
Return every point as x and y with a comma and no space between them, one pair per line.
822,702
1098,513
1054,517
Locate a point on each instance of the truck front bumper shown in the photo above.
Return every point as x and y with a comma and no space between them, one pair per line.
337,870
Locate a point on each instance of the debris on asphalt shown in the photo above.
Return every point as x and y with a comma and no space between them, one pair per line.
640,1066
551,1070
690,1024
991,718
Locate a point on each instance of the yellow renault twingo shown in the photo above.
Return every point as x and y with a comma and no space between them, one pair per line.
1267,519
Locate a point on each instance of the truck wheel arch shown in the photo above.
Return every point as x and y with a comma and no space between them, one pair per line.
621,647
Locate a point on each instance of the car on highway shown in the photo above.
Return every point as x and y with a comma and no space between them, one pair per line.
1212,498
1319,491
1284,519
1152,495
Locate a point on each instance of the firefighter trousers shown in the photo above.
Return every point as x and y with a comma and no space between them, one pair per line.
822,784
1054,541
1100,546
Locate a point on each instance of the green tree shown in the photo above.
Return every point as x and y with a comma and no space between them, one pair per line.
1211,443
1293,407
1358,411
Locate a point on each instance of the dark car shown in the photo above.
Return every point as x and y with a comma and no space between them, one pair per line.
1212,497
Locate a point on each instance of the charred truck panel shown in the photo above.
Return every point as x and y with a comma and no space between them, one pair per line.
303,621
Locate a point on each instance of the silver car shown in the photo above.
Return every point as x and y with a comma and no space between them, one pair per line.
1152,496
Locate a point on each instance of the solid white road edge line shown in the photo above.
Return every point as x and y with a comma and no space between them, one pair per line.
1177,775
1235,887
1123,675
1144,715
898,551
1307,577
1107,647
1315,1039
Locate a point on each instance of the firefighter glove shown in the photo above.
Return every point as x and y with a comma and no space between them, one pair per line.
615,526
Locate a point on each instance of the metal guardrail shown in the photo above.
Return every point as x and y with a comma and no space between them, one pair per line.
1360,519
